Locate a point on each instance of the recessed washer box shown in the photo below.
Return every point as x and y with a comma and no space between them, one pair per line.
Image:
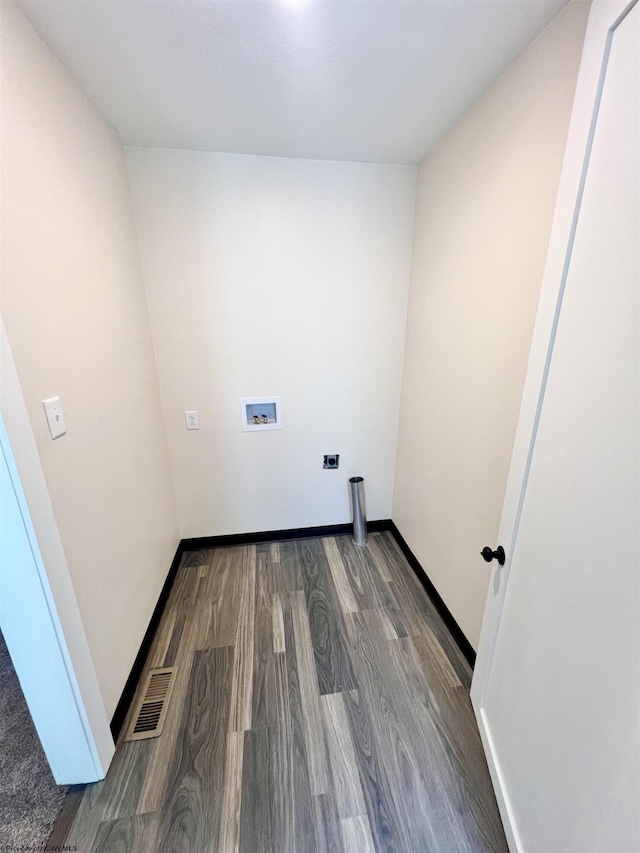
260,413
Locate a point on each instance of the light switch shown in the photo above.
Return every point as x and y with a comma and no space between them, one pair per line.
55,416
192,420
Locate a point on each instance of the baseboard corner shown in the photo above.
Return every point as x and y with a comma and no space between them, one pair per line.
131,684
455,630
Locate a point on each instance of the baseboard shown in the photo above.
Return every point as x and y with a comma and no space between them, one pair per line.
122,708
447,617
200,542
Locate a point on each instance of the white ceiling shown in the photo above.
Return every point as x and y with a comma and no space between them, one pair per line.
365,80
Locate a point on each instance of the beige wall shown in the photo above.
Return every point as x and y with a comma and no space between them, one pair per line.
485,201
269,275
75,314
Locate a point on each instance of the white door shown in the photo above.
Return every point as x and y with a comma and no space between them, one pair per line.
557,683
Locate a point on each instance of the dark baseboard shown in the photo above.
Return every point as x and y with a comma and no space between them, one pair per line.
447,617
120,714
201,542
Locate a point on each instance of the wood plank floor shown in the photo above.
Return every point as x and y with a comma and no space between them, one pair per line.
320,706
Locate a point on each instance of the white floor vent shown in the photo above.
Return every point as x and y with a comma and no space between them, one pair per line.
151,709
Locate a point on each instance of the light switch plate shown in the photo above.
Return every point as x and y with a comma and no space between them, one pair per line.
55,417
191,419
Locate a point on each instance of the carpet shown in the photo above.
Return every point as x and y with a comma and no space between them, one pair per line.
30,800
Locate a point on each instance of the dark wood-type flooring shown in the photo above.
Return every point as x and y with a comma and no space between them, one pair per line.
320,706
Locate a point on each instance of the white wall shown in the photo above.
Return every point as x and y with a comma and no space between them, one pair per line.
74,309
485,201
275,276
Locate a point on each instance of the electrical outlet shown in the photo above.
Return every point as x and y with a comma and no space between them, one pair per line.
192,420
331,460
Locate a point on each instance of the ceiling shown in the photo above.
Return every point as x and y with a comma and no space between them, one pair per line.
365,80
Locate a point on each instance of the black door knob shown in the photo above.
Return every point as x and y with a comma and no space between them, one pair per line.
489,555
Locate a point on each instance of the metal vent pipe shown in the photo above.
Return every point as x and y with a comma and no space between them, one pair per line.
359,516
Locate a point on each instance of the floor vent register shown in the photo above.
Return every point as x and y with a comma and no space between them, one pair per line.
151,709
